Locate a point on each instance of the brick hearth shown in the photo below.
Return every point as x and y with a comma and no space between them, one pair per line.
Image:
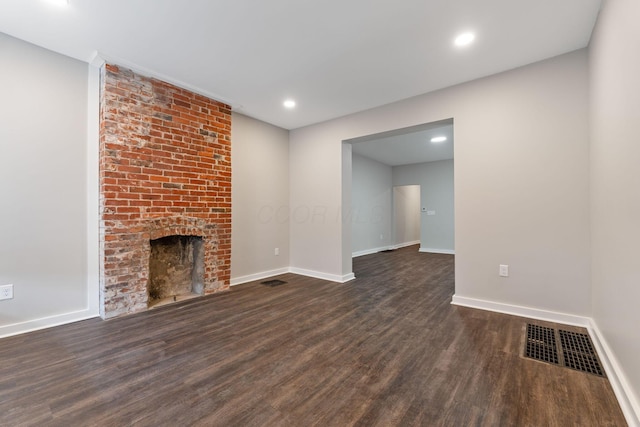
165,169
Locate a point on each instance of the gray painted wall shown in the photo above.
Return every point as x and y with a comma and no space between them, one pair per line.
521,183
44,191
503,124
370,205
436,193
381,207
260,191
615,185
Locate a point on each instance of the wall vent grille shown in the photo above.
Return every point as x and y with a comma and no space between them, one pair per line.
272,283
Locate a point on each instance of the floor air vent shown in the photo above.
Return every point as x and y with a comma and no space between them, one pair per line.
272,283
541,344
579,353
565,348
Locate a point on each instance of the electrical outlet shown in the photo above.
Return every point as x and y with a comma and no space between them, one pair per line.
6,292
276,252
504,270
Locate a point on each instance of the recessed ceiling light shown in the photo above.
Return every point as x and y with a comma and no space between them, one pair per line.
289,103
59,2
439,139
464,39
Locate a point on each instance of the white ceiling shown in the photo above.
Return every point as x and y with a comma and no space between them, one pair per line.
334,57
407,146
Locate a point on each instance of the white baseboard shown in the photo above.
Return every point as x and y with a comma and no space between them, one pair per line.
384,248
62,319
438,251
370,251
517,310
46,322
405,244
623,391
618,380
302,272
348,277
324,276
257,276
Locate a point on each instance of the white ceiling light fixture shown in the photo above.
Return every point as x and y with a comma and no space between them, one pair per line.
289,104
464,39
438,139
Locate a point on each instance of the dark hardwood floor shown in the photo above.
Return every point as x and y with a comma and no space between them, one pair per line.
387,349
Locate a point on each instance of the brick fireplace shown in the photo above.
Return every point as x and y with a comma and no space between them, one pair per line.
165,170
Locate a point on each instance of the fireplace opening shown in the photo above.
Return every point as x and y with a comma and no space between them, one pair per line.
176,269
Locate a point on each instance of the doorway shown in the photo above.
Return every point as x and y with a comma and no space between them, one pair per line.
406,215
390,171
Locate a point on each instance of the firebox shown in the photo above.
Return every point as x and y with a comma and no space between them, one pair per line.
176,269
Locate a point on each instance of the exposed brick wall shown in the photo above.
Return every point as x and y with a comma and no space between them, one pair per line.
165,169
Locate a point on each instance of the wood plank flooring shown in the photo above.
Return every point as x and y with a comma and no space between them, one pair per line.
387,349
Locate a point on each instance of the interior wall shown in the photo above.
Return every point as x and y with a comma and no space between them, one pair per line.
260,193
346,258
43,170
615,183
406,215
521,182
371,203
437,231
316,173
